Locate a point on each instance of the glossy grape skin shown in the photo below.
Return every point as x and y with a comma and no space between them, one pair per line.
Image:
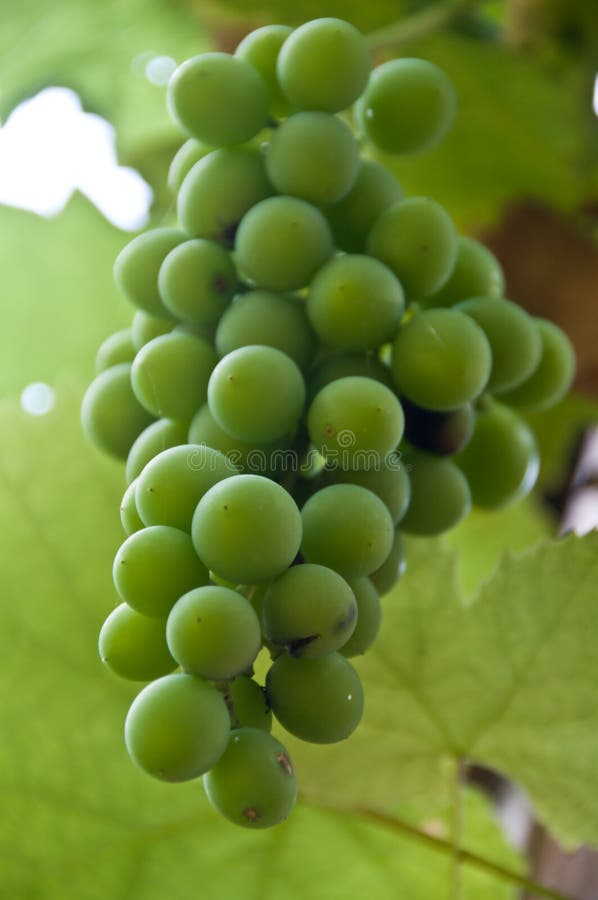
118,348
347,528
249,707
177,728
256,393
324,65
553,376
442,433
391,570
197,281
129,515
441,359
369,618
184,160
219,190
213,632
133,646
281,242
260,48
408,106
389,481
253,784
111,415
170,374
351,218
317,700
501,461
146,327
172,484
137,265
477,273
355,303
514,340
156,566
415,238
247,529
218,99
440,495
344,365
259,459
355,422
154,439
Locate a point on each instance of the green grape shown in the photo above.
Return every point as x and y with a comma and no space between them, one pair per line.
214,632
273,320
408,106
313,155
172,483
477,273
355,422
157,437
391,570
111,415
137,266
345,365
156,566
146,327
389,481
256,394
170,374
218,99
197,281
355,303
260,49
317,700
253,784
514,340
501,461
347,528
440,495
282,242
129,515
442,433
177,728
259,459
249,705
369,617
417,240
553,376
184,160
118,348
310,610
324,65
134,646
219,190
441,359
373,191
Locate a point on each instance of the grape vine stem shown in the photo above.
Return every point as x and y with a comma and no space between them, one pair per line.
418,25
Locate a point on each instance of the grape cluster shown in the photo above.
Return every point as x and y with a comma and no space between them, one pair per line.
316,365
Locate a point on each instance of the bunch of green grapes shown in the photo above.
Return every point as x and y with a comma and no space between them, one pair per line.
316,366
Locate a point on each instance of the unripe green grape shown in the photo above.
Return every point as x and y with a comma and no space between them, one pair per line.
355,303
249,705
219,190
369,617
256,394
146,327
133,646
408,106
324,64
416,238
440,495
154,439
441,359
352,217
118,348
173,483
260,48
247,529
313,155
197,280
184,160
111,415
317,700
259,459
391,570
129,515
282,242
156,566
272,320
441,433
501,461
218,99
389,481
553,376
514,340
253,784
177,728
477,273
345,365
310,610
355,422
170,374
347,528
137,266
214,632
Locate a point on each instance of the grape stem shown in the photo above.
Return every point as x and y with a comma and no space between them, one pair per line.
457,831
418,25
